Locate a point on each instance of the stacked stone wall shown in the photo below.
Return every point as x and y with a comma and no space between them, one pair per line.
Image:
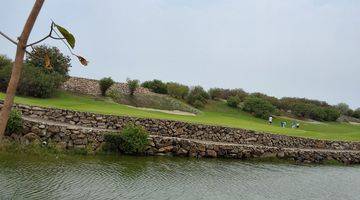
91,87
169,128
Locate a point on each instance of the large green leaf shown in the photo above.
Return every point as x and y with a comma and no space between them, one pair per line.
67,35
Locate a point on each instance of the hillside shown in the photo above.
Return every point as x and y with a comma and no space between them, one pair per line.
215,113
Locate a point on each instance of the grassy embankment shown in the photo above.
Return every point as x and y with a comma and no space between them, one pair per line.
215,113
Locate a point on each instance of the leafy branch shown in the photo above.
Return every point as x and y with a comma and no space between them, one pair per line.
65,36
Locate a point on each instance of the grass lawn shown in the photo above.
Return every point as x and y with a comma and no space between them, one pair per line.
215,113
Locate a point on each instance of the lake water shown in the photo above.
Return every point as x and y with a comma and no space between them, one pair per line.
125,177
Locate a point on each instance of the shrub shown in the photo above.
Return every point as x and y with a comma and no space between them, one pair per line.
233,101
332,114
5,74
59,62
317,113
273,100
177,90
198,104
156,86
343,108
259,107
215,93
356,113
33,81
4,61
135,139
132,86
240,93
113,141
15,123
197,94
105,84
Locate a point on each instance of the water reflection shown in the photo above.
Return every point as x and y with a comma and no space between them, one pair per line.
123,177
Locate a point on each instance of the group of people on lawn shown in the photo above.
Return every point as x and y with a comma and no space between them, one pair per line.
294,124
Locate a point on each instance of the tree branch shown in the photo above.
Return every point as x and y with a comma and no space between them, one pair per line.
46,37
12,41
7,37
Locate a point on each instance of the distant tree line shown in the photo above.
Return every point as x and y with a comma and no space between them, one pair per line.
259,104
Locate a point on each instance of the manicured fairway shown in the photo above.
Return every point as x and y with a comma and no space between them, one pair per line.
216,113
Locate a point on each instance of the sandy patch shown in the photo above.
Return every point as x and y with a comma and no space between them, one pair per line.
354,123
174,112
311,121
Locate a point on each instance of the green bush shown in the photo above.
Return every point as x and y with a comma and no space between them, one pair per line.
59,62
113,141
215,93
5,74
105,84
4,61
233,101
177,90
356,113
15,123
135,139
197,94
132,139
156,86
332,114
132,86
343,108
36,79
33,81
258,107
198,104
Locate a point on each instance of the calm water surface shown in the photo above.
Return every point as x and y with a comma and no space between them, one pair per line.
110,177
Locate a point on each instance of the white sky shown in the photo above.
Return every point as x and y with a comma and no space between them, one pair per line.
303,48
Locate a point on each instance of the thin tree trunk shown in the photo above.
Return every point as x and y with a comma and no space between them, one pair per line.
17,67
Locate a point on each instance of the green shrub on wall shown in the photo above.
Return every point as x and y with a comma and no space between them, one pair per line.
15,123
113,141
105,84
135,139
132,139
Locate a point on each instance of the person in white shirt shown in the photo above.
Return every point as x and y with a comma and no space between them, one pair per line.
270,120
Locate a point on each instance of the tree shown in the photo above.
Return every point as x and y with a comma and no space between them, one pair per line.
156,86
20,53
343,108
105,84
233,101
177,90
259,107
356,113
132,86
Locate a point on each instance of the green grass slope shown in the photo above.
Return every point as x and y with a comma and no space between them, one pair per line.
215,113
156,101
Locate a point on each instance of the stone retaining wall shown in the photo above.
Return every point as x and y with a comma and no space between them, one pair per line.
184,130
91,87
72,137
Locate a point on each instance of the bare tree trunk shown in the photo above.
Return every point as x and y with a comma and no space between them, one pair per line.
17,67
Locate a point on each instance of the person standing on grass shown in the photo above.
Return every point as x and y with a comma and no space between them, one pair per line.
270,120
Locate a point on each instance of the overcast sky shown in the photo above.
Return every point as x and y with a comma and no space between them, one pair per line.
303,48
